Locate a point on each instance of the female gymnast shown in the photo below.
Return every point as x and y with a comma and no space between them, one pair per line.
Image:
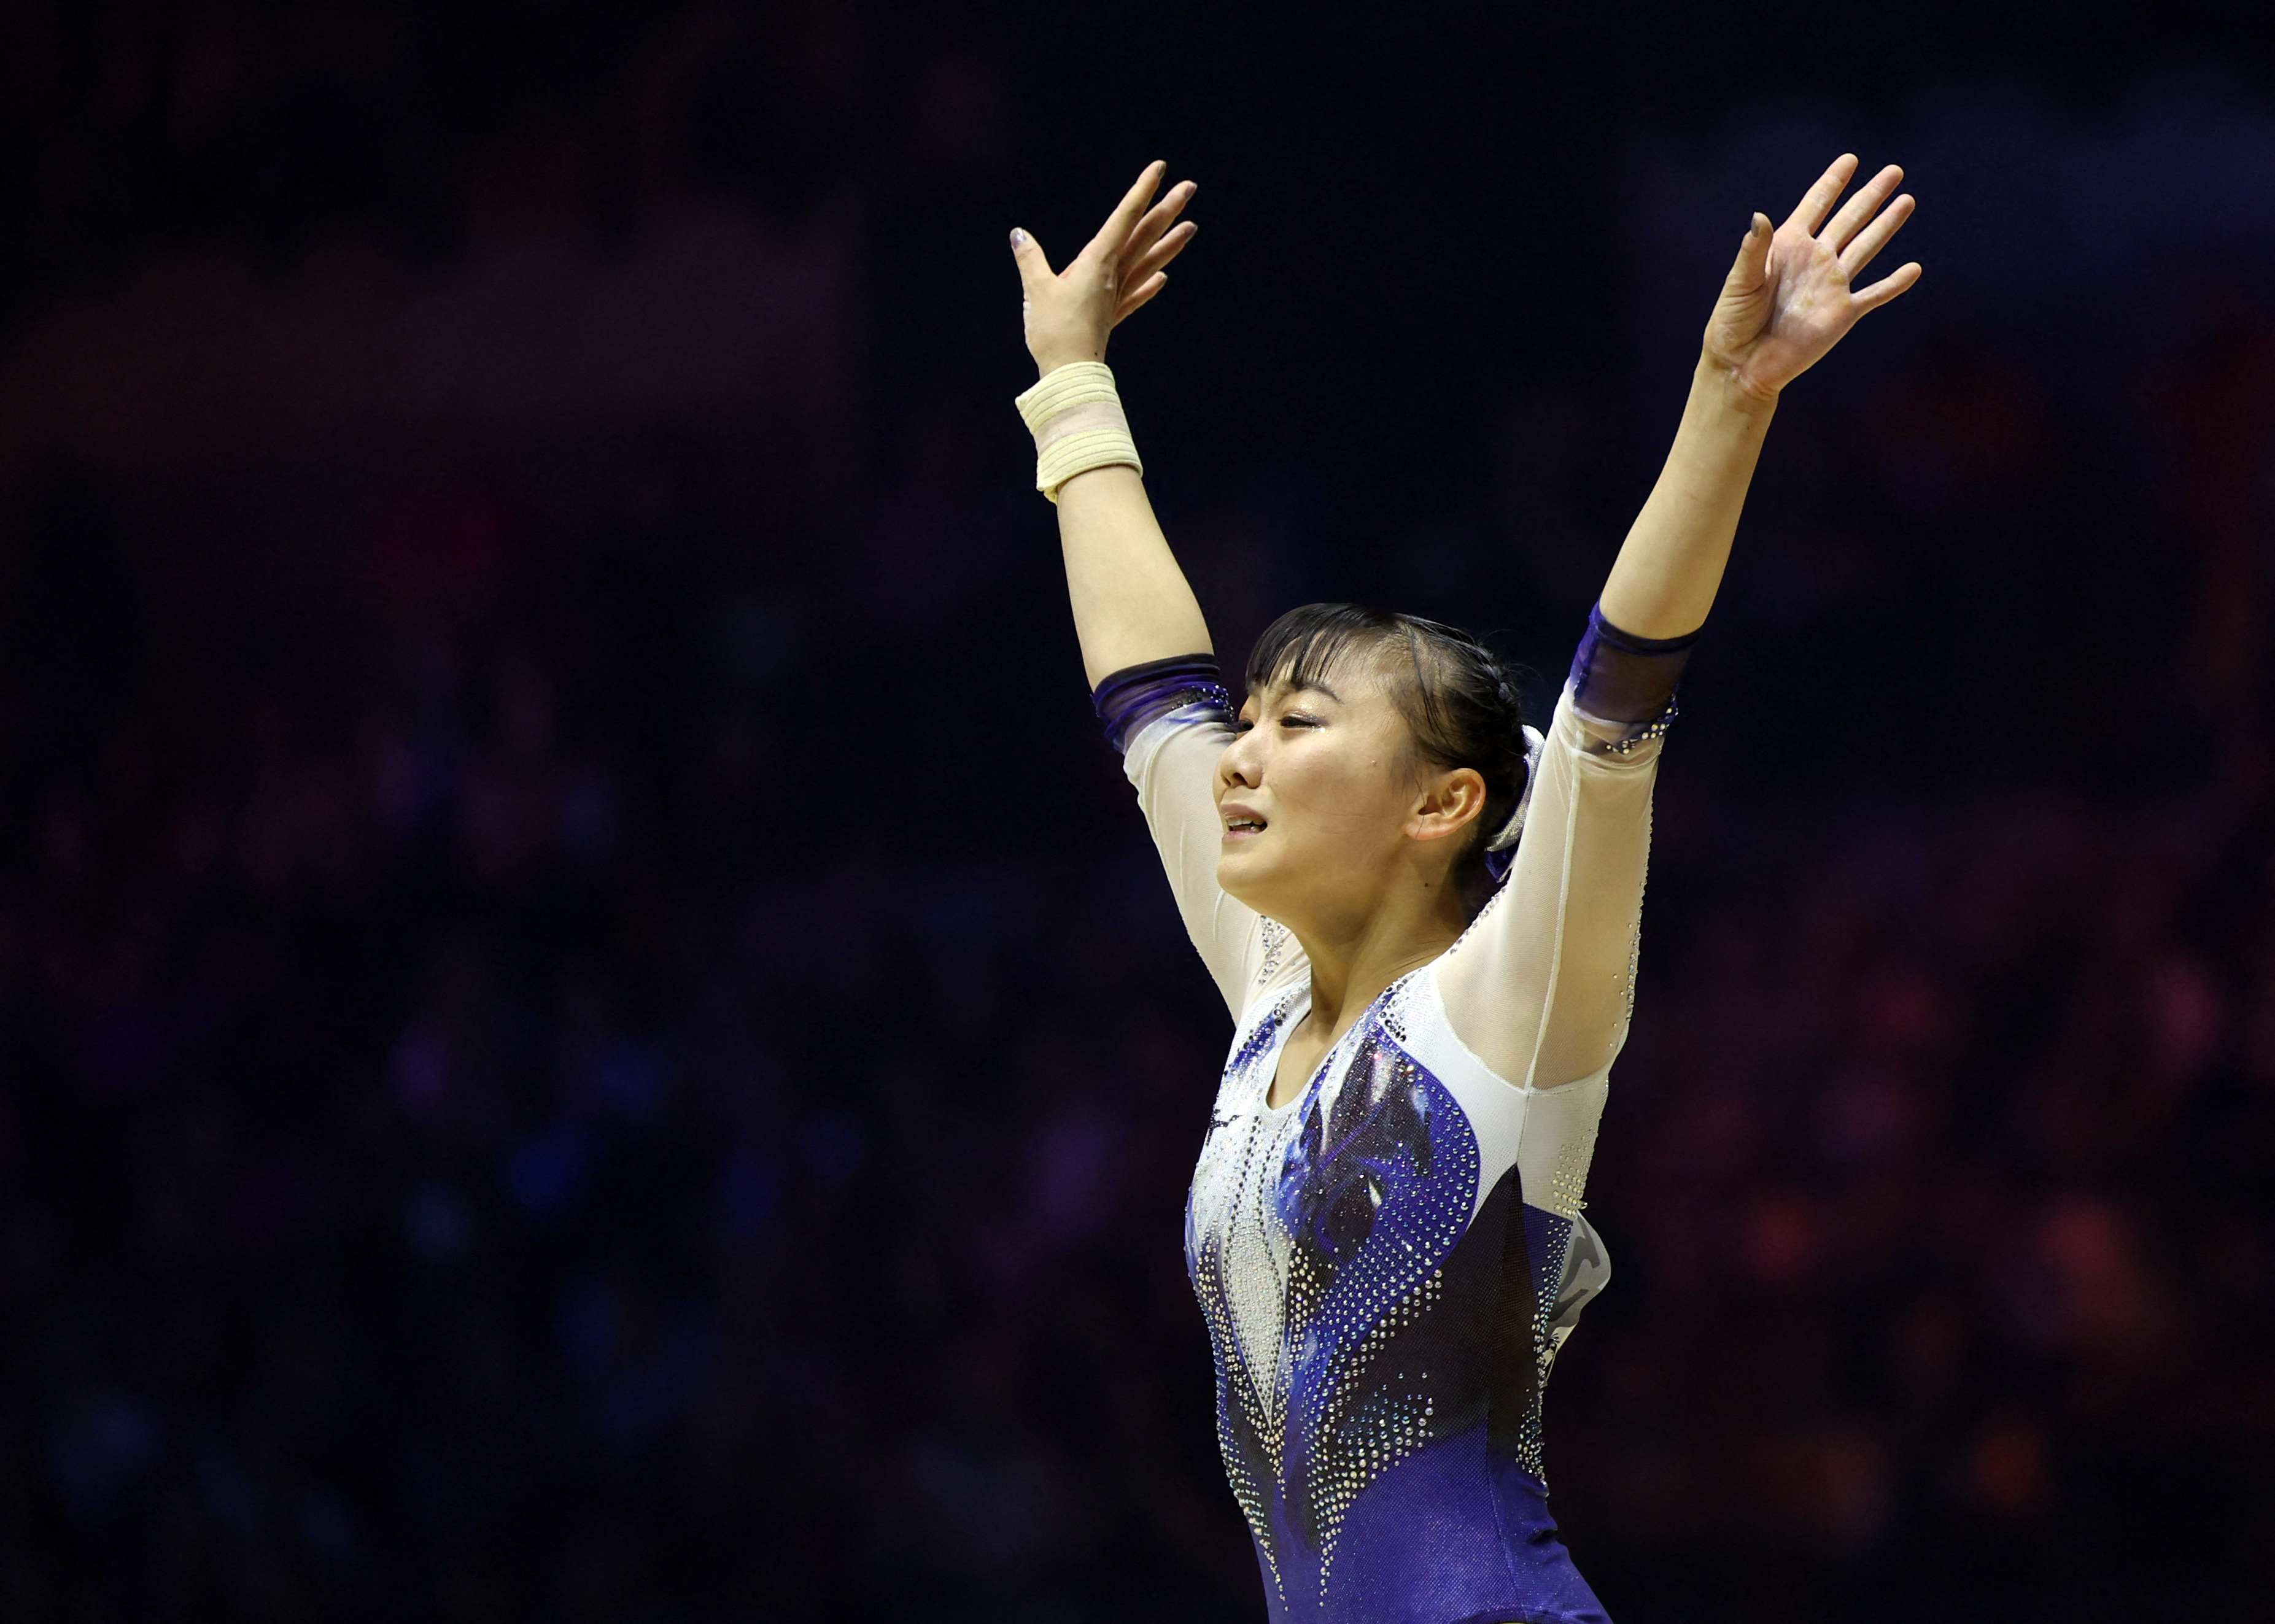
1385,1227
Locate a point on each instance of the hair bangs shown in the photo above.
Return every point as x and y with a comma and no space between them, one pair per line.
1307,647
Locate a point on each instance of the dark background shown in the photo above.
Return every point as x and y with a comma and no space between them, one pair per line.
588,1031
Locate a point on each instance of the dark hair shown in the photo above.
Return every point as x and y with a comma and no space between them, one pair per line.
1458,699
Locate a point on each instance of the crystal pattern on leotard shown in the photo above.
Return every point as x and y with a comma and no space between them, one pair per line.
1315,1240
1274,938
1241,1274
1373,1216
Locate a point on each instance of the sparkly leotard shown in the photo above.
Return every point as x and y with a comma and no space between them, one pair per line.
1389,1263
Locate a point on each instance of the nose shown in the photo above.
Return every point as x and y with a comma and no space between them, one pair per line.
1238,765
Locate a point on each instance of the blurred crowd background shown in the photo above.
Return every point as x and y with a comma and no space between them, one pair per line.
589,1032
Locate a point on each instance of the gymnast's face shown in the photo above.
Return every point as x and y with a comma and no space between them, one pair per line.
1325,804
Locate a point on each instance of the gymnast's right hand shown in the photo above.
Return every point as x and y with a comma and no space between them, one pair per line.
1070,313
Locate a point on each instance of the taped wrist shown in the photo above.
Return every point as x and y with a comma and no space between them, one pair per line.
1076,417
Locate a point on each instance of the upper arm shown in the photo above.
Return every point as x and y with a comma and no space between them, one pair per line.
1171,722
1541,986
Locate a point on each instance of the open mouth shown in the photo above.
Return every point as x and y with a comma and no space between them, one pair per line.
1234,826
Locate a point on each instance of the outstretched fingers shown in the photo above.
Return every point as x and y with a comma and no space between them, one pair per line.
1159,218
1867,244
1158,255
1140,295
1818,201
1115,232
1886,288
1860,208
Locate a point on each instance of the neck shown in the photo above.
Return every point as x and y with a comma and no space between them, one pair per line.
1354,960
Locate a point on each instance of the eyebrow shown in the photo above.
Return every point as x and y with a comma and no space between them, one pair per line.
1310,687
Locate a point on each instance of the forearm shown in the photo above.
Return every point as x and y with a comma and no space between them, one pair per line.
1131,602
1670,566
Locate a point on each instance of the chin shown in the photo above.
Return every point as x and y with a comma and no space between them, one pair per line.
1252,883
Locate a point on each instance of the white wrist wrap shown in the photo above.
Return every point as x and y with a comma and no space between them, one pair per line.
1075,417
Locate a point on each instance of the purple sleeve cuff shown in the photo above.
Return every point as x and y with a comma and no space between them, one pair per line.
1620,678
1138,695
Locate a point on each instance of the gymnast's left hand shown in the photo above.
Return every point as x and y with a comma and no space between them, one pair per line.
1789,298
1068,314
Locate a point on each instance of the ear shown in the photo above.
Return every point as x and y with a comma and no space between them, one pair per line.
1450,802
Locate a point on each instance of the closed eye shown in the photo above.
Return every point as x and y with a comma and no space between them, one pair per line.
1297,718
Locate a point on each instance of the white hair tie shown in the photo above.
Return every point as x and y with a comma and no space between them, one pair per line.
1515,826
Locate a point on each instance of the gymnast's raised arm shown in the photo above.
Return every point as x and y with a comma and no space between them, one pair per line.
1144,646
1540,989
1787,301
1132,604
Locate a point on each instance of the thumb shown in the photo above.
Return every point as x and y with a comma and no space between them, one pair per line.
1753,256
1033,266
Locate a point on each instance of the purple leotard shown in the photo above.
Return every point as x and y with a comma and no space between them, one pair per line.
1389,1262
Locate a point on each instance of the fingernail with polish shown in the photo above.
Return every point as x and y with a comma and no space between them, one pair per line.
1018,237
